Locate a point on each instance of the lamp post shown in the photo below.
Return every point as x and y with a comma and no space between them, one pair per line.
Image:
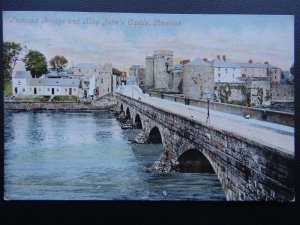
207,95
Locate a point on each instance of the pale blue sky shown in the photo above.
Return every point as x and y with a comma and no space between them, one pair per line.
240,37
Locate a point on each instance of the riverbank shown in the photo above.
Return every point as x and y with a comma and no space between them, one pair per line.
107,102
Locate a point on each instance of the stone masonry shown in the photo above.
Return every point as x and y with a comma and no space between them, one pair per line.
247,170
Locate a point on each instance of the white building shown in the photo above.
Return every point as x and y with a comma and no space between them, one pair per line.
226,71
19,83
24,84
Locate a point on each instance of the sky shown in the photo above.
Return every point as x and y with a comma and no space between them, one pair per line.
125,39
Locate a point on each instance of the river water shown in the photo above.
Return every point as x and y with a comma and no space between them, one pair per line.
85,155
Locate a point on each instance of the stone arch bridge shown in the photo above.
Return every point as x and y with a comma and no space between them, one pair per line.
247,170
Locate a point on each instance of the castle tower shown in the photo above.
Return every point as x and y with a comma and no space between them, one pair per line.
163,65
197,79
149,66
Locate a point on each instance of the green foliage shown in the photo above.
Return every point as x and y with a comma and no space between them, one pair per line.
58,62
116,71
11,54
36,63
35,99
225,94
242,103
7,88
260,93
268,95
65,98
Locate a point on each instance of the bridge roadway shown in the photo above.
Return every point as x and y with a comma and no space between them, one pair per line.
273,135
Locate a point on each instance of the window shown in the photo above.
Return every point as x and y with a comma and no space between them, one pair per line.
57,89
94,70
79,70
19,82
74,89
48,89
66,90
23,89
219,75
101,80
275,77
226,70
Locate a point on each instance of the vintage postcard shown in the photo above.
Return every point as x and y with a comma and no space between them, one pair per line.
128,106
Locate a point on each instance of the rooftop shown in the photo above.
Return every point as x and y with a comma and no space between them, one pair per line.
42,81
134,67
222,63
198,62
178,67
256,65
22,74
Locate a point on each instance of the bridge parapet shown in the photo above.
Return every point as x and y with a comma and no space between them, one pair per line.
247,170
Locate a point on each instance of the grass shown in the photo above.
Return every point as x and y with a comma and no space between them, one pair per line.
36,99
7,88
65,99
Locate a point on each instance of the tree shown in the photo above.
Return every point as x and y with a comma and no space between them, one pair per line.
116,71
11,54
36,63
58,62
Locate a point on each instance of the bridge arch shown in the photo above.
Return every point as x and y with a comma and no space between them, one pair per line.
155,136
194,161
138,122
128,116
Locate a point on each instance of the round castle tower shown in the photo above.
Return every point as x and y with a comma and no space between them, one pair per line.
197,79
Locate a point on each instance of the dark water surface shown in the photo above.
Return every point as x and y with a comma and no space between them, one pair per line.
87,156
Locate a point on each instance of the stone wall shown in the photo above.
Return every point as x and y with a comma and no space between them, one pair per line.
106,102
283,118
283,92
231,93
246,169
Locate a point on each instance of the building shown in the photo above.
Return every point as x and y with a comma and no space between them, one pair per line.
226,71
24,84
198,79
137,71
149,72
176,78
19,83
103,81
274,73
84,69
159,69
123,78
251,69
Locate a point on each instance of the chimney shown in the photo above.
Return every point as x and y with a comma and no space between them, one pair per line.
224,57
205,59
266,63
185,61
218,57
250,61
